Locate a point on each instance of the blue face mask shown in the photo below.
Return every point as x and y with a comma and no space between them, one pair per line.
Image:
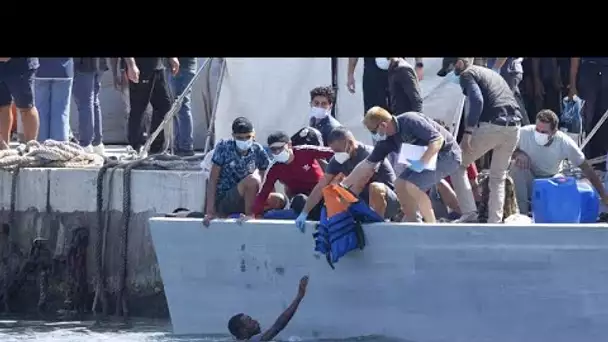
452,77
243,145
378,137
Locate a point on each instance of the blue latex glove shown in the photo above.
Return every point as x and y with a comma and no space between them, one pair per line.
416,165
301,222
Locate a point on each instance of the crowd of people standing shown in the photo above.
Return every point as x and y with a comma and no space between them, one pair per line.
41,91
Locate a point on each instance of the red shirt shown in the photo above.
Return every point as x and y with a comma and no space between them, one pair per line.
471,173
299,177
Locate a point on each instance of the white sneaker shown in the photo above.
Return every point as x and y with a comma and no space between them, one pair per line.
99,149
88,149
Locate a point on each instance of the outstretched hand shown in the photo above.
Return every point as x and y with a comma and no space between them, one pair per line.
302,287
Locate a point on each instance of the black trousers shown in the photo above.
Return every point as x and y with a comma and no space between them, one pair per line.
375,89
151,89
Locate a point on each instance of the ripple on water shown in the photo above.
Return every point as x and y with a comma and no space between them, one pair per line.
137,331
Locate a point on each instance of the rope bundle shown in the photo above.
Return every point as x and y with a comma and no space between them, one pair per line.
50,153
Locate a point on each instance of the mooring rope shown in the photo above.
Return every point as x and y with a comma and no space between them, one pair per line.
49,153
127,164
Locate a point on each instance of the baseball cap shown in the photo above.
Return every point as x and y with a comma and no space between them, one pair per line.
242,125
447,66
278,139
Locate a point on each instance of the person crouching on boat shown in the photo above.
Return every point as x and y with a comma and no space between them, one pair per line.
235,178
245,328
412,128
540,153
377,191
297,167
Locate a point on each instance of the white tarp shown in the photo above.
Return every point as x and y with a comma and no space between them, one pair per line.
274,94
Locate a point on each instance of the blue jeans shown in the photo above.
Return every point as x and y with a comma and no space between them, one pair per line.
86,96
183,121
52,98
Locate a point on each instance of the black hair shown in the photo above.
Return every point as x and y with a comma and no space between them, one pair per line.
242,125
338,134
235,324
548,116
278,137
325,91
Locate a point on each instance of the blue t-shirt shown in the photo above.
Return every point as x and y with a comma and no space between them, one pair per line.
56,67
235,166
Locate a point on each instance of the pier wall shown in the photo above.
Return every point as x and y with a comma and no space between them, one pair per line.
53,203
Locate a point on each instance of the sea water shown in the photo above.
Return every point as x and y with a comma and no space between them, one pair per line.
142,330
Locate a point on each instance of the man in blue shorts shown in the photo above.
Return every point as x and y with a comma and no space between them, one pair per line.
17,83
391,133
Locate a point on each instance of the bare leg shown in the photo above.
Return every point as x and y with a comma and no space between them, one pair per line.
377,198
6,122
29,117
448,196
424,202
248,188
409,206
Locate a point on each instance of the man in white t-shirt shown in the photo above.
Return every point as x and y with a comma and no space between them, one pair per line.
540,153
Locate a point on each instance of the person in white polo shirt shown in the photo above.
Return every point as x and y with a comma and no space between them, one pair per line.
540,153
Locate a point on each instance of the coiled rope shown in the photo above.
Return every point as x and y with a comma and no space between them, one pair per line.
49,153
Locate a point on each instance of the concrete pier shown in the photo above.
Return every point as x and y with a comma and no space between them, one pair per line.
52,203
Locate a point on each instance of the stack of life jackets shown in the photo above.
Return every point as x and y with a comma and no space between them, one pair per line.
340,228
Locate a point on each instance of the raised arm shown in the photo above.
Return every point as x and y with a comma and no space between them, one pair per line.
286,316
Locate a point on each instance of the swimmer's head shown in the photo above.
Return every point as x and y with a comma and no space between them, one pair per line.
243,327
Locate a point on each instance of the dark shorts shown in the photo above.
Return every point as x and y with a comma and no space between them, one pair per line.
447,163
18,87
392,202
231,203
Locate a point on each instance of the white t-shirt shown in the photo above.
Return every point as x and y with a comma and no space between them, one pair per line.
546,161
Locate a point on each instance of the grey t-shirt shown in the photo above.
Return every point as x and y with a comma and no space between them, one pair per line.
384,174
546,161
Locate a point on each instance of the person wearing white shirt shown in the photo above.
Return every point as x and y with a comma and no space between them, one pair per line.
540,153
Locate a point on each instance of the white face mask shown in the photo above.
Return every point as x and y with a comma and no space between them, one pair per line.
382,63
318,112
341,157
378,137
541,138
243,145
282,157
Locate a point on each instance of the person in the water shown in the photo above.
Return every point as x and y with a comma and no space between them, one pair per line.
243,327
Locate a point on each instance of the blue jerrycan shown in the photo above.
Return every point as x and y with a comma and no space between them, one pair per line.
556,200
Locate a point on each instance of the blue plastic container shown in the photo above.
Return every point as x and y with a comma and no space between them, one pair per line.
556,200
590,202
